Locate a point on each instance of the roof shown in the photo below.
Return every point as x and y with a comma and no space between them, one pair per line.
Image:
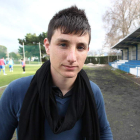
129,41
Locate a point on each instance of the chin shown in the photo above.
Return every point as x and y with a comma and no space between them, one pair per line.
70,75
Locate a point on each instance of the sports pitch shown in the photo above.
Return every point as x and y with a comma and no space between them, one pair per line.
17,73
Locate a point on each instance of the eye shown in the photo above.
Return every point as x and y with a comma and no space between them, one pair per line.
80,47
62,45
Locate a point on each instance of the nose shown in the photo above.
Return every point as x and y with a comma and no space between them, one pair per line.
71,57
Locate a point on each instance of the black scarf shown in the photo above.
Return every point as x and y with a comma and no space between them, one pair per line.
39,104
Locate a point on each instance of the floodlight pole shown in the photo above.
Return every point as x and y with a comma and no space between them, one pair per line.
40,53
8,54
23,52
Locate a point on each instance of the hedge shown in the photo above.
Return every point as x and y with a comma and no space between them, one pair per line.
101,59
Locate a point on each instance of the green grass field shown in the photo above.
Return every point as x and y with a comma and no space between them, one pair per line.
17,73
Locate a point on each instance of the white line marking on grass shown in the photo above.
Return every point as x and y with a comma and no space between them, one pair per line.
4,86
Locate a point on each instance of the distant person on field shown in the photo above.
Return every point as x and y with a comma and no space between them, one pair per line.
59,102
2,65
11,65
23,65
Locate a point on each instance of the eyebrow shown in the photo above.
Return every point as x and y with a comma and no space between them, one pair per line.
67,41
62,40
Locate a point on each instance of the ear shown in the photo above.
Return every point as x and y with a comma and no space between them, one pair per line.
47,46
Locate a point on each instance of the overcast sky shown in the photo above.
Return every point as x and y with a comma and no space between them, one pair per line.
19,17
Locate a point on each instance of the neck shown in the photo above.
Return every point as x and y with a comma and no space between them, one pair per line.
64,84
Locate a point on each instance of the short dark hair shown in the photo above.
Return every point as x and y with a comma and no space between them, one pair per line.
70,21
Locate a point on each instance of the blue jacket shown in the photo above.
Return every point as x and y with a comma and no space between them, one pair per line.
11,103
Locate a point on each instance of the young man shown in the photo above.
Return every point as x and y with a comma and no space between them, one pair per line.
11,65
23,65
58,102
2,65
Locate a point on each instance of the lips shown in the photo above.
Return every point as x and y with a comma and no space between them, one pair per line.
70,67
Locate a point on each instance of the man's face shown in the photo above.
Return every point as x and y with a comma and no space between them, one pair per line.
67,53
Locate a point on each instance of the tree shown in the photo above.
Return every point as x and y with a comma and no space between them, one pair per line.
3,51
41,37
31,42
13,55
120,19
30,50
92,53
100,52
20,51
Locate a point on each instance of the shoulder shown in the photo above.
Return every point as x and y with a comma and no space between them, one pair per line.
17,89
105,131
95,87
20,85
13,96
24,81
97,94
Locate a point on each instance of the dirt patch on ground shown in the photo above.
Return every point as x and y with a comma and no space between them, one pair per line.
132,77
122,100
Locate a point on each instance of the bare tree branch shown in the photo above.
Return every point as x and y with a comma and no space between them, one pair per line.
120,19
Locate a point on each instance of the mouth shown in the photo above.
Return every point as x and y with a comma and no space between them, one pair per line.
69,67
